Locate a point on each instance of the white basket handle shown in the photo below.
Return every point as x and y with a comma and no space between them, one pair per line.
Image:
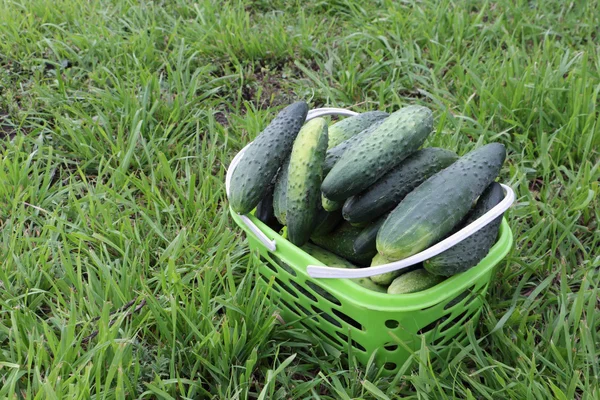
319,271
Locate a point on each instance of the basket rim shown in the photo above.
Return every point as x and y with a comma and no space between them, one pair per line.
352,292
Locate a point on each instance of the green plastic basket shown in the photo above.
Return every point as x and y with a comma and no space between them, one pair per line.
352,318
347,315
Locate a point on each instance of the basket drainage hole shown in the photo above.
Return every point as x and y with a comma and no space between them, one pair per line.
327,317
347,319
303,310
458,299
390,366
431,326
456,320
284,266
289,307
322,292
286,287
328,336
268,282
392,323
353,342
268,263
304,291
391,346
439,340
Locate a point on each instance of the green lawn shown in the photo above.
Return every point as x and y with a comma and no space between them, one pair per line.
122,274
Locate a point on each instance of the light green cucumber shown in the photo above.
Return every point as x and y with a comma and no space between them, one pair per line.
351,126
280,193
414,281
335,153
329,205
305,174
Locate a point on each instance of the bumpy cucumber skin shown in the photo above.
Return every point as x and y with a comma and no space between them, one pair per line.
265,212
329,205
435,207
473,249
326,221
414,281
341,242
400,135
351,126
261,160
305,174
335,153
334,261
387,192
280,193
366,241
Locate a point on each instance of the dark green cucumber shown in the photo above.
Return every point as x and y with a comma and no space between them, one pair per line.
351,126
341,242
473,249
367,239
326,221
435,207
398,136
264,210
305,174
334,261
387,192
414,281
335,153
329,205
263,157
280,193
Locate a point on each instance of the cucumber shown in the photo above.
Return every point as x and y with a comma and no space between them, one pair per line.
387,192
341,242
398,136
331,260
305,174
473,249
280,193
329,205
435,207
352,126
413,281
335,153
264,210
326,221
263,157
387,277
366,240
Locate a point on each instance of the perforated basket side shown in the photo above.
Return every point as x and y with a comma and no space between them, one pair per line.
393,335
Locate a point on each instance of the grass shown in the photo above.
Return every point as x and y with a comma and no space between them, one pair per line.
122,275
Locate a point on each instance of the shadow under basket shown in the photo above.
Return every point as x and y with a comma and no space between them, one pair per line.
352,318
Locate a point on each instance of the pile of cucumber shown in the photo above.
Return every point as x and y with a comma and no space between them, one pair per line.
363,191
